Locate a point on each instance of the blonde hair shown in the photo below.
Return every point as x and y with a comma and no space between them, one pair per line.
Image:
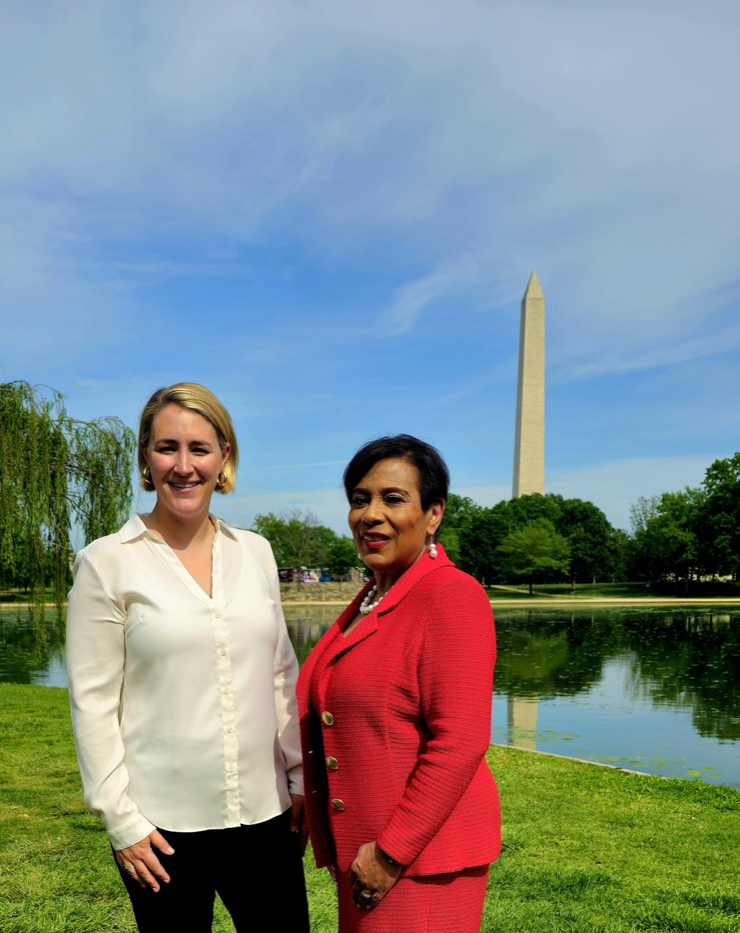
201,400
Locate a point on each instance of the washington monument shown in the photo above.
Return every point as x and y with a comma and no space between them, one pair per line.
529,443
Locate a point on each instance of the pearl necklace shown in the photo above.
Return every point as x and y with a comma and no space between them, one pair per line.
367,605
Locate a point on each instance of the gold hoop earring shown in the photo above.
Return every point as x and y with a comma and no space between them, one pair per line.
146,475
221,481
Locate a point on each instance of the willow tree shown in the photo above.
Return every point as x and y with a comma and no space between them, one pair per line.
55,474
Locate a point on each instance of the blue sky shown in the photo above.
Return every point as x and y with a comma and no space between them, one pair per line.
328,211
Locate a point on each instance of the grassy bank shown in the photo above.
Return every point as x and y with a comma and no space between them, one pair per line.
586,849
664,590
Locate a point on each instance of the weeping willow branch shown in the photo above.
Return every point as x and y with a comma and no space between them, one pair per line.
54,471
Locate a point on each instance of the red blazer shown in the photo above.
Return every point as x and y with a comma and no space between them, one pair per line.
409,699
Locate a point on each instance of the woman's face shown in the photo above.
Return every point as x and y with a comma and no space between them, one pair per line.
389,526
184,458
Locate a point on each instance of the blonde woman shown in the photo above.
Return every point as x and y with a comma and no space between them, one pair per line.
181,678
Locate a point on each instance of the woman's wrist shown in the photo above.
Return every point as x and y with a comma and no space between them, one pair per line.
389,858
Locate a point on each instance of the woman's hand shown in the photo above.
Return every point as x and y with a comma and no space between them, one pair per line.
371,876
140,862
298,820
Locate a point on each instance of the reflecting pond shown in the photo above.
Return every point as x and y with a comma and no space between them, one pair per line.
655,690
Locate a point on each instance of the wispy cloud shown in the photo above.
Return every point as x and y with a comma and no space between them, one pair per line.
411,298
663,355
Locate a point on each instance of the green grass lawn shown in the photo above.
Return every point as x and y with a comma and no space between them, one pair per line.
586,849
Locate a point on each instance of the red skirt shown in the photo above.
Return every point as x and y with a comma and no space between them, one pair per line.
448,903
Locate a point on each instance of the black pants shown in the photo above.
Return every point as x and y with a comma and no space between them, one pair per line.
256,870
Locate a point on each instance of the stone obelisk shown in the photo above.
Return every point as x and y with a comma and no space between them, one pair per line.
529,443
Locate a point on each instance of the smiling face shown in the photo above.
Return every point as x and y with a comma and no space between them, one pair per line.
389,525
184,458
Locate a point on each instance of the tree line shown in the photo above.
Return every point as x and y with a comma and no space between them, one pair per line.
58,473
677,537
532,537
298,540
689,535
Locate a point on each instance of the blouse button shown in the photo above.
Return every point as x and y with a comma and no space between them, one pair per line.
338,804
327,718
332,763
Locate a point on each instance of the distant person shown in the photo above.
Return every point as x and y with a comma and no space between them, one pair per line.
181,678
395,705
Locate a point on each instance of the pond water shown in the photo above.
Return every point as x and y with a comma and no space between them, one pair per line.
650,689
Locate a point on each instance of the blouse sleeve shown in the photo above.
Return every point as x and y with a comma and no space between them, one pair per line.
95,659
456,683
286,675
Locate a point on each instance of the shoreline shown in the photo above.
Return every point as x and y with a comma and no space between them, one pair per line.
525,601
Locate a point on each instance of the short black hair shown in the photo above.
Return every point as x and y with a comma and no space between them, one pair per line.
434,477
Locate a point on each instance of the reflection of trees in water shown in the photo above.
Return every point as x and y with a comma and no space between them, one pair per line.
691,660
546,656
678,658
306,630
24,650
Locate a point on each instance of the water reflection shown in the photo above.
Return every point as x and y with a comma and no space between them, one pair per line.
32,653
677,659
551,654
691,660
651,689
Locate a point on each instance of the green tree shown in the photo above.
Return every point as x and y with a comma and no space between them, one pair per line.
665,539
297,538
481,531
718,520
622,549
645,547
55,472
536,550
534,505
341,556
678,545
479,542
591,538
460,513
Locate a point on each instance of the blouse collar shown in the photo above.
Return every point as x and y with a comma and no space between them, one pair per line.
135,529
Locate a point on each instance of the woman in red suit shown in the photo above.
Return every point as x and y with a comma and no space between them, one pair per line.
395,707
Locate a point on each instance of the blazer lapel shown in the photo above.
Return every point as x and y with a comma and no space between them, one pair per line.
422,568
327,639
370,624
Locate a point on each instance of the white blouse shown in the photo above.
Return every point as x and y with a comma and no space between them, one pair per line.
183,705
